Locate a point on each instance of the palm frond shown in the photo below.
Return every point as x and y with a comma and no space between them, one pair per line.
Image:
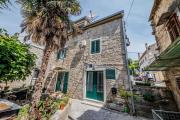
4,3
48,21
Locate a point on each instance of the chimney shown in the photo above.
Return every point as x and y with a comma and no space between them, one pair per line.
146,45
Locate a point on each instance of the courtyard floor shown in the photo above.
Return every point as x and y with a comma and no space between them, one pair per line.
82,111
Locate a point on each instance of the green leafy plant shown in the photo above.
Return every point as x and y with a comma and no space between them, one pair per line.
23,113
133,67
47,108
143,84
149,97
17,61
125,95
4,3
66,99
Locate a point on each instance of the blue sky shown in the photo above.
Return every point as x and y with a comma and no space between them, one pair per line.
137,25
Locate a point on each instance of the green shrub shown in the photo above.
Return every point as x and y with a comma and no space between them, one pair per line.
149,97
23,113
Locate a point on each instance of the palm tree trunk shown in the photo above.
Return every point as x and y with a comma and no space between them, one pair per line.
40,81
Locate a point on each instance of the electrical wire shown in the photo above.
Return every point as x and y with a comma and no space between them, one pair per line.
129,10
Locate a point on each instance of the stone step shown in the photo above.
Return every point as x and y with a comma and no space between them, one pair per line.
93,103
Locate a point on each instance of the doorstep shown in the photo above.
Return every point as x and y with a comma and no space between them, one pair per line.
93,103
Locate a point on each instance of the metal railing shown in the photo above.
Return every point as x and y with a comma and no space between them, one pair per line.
165,115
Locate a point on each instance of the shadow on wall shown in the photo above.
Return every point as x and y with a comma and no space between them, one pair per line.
77,58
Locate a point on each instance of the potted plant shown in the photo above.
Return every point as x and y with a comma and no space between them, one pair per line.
62,105
125,95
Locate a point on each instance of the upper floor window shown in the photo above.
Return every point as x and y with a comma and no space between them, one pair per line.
61,54
95,46
173,27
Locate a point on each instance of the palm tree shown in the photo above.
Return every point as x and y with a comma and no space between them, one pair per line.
47,23
4,3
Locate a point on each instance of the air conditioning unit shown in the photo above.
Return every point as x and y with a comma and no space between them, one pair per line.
82,44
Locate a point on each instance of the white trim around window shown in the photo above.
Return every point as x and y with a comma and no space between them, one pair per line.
100,39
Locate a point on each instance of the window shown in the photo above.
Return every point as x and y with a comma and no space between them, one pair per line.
111,74
173,27
61,54
95,46
36,73
62,82
178,82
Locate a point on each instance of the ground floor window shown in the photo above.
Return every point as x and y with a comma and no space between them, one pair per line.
111,74
62,82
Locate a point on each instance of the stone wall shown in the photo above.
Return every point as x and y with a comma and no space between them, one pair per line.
161,33
162,100
112,56
172,74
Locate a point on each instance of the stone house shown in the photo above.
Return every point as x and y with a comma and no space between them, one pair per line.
93,62
145,60
165,21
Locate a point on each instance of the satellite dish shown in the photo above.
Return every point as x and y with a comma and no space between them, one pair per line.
92,16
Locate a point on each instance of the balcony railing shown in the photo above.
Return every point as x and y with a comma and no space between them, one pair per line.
165,115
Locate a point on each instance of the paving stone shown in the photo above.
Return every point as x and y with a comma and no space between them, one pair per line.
80,111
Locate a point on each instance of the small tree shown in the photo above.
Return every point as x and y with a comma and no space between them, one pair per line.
133,66
16,61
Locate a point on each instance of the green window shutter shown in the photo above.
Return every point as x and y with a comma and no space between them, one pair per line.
93,47
111,74
65,50
97,46
58,55
65,86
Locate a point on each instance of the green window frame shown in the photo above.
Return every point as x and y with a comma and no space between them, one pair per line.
62,82
62,54
111,74
95,46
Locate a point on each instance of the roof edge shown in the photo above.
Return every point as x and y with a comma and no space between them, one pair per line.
114,16
155,5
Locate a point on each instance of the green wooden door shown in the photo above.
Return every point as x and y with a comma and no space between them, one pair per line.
62,82
94,85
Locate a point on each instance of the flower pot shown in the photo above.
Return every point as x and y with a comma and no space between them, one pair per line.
62,106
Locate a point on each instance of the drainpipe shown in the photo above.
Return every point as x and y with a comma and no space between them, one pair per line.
126,62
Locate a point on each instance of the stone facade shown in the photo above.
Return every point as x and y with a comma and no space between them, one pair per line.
112,55
145,60
161,12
